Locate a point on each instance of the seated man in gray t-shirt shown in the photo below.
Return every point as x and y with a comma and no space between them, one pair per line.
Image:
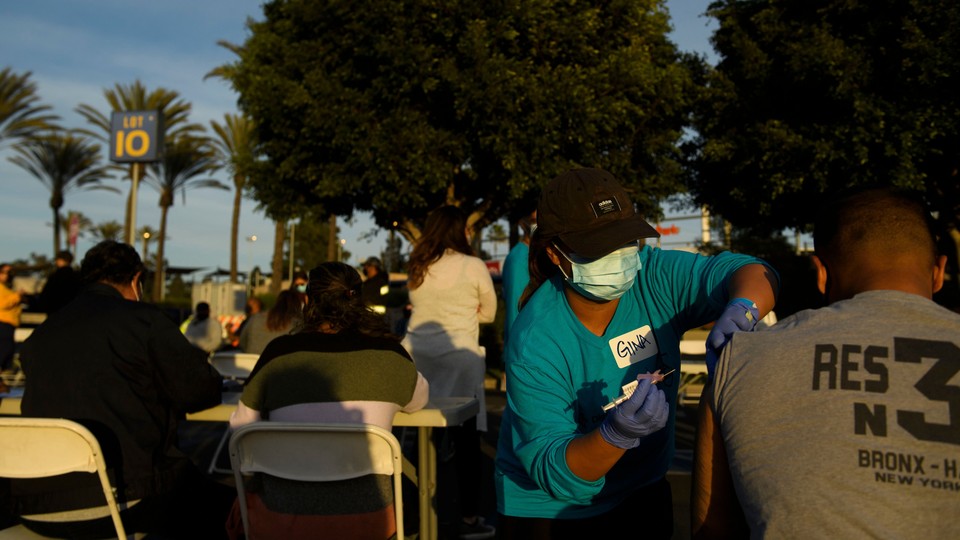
841,422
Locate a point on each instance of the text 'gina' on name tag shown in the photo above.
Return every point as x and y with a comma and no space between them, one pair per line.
634,346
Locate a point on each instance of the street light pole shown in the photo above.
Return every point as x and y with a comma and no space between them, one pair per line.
250,241
146,238
293,227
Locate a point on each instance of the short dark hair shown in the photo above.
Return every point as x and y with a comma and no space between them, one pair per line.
64,255
875,221
110,262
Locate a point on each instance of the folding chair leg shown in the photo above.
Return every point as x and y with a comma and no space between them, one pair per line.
216,454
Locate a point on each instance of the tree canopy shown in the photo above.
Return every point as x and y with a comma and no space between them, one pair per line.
399,107
814,96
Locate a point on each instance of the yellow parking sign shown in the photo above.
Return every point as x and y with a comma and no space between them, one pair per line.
136,136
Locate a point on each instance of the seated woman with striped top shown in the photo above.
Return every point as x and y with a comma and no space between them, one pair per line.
342,366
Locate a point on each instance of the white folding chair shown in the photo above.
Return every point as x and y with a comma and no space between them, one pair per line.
316,453
42,447
234,366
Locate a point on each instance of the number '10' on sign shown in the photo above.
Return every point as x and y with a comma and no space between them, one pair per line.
135,136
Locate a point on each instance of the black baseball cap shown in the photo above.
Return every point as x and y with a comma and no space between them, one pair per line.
590,212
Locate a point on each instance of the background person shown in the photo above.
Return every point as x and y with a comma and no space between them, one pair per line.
599,312
452,293
284,317
123,369
344,366
61,286
252,306
203,331
299,282
841,422
376,285
516,272
9,318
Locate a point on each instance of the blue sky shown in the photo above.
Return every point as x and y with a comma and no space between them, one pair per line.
77,48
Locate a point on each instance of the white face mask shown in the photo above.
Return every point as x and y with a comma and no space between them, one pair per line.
606,278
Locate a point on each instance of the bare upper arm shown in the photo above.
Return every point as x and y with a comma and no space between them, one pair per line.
715,511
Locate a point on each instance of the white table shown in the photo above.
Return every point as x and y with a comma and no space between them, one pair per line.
439,412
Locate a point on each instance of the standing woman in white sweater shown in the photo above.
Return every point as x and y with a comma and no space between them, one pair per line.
452,293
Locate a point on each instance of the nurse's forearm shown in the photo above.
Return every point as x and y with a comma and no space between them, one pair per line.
590,457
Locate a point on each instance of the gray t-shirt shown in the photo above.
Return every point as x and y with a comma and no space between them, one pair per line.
844,422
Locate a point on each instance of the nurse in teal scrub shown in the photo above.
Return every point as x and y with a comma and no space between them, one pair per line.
602,310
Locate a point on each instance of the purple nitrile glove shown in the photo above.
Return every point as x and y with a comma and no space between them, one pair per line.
644,413
740,315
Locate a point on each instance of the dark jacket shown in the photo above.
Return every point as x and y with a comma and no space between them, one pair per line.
124,370
61,287
371,289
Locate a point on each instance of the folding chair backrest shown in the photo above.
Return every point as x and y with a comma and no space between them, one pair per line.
234,365
316,453
42,447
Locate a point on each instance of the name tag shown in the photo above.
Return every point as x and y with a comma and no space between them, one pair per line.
634,346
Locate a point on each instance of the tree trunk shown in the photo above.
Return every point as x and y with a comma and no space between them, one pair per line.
276,269
234,232
56,230
332,242
126,215
157,293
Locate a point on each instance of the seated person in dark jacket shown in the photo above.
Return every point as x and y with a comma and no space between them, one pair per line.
123,369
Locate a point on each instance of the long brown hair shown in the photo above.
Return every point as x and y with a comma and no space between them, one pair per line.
333,293
445,229
540,266
286,311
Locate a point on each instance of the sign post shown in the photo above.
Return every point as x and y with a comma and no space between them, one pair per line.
135,137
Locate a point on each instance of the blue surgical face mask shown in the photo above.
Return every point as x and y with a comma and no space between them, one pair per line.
606,278
302,287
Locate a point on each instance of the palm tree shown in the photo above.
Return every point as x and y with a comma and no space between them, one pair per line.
135,97
20,115
186,158
236,149
108,230
61,161
228,72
